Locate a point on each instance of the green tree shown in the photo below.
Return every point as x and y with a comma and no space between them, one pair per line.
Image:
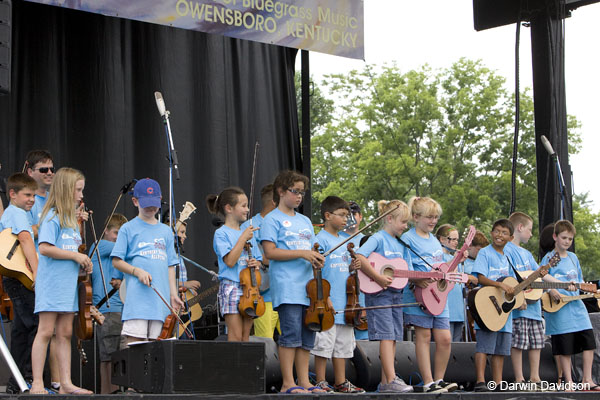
446,133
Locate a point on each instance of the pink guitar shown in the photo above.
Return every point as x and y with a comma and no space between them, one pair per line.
397,268
434,296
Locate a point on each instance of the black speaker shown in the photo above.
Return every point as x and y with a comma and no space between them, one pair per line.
185,366
5,41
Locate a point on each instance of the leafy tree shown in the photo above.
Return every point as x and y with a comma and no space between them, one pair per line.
446,133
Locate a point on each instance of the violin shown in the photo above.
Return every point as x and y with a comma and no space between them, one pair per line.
84,328
358,319
168,327
251,303
6,305
319,315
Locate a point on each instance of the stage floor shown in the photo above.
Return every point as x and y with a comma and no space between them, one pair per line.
371,395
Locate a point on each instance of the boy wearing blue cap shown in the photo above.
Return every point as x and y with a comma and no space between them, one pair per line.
145,250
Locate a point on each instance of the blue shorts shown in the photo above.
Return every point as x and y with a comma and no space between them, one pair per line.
427,321
495,343
293,331
385,323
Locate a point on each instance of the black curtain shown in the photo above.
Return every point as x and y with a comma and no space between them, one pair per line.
547,42
83,87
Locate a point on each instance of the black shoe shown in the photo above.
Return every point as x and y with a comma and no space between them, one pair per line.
449,386
431,389
11,388
481,387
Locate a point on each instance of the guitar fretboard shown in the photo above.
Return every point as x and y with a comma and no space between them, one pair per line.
556,285
194,300
418,274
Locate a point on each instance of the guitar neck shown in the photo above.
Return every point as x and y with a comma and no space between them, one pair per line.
554,285
567,299
418,274
194,300
528,281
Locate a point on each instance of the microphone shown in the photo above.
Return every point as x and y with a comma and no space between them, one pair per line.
160,103
547,145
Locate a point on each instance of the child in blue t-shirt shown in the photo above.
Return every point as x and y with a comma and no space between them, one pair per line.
491,264
109,333
21,188
229,244
337,343
386,324
58,270
265,325
145,249
570,327
447,235
287,239
528,326
425,213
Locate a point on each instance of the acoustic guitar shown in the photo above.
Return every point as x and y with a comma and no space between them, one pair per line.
491,306
194,310
13,262
397,269
435,295
552,306
536,290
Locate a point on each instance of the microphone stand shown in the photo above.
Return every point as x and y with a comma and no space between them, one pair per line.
561,180
173,169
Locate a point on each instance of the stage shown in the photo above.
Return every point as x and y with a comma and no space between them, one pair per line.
371,395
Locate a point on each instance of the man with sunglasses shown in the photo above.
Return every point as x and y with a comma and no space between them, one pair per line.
40,167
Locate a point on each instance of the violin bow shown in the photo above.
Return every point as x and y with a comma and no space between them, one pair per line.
256,145
172,311
96,243
349,238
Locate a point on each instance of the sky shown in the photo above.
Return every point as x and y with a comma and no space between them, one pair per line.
439,32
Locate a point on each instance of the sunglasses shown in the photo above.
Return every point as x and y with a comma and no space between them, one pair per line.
44,170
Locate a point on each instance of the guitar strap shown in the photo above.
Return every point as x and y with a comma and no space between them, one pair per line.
517,275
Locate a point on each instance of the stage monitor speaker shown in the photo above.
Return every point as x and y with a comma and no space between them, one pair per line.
185,366
5,43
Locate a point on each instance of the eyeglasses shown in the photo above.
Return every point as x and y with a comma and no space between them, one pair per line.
452,239
433,217
341,215
297,192
44,170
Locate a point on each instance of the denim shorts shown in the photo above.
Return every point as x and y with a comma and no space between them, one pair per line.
495,343
293,331
385,323
427,321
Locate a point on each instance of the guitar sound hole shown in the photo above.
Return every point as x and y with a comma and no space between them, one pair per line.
442,285
388,270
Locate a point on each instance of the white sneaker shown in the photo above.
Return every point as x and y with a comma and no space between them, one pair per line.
395,386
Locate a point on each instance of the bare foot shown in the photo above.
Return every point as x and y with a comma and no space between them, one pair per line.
72,389
37,389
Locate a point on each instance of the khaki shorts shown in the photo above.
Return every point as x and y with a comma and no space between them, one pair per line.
337,342
141,328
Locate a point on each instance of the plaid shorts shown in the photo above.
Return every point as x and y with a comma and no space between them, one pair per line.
528,334
229,296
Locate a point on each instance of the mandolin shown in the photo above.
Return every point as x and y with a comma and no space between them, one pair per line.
491,306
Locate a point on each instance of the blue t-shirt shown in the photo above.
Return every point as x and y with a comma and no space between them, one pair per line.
356,239
56,283
468,266
36,211
104,249
289,278
17,219
257,221
223,242
493,266
336,271
182,271
456,304
149,247
573,317
431,250
522,260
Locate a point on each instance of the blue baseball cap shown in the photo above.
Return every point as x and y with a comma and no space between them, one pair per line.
147,191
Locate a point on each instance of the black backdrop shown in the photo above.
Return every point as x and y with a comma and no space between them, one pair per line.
83,87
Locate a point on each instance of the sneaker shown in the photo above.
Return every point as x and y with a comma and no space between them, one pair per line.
481,387
325,386
395,386
347,387
431,388
449,386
